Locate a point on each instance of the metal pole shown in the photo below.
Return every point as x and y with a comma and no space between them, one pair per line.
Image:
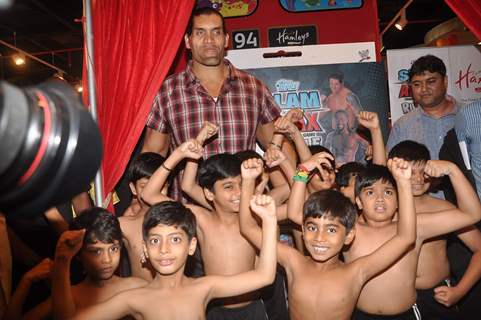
91,85
32,56
393,20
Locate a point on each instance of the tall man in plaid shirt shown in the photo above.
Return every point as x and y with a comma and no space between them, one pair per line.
210,89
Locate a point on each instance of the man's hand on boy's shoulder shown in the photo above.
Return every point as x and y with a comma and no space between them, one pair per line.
69,244
251,168
400,169
438,168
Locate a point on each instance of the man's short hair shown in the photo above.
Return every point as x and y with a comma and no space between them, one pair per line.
427,63
372,174
169,213
204,11
218,167
410,151
338,76
99,224
346,171
144,166
330,204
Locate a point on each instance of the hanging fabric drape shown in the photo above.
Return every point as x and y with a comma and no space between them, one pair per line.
469,12
135,43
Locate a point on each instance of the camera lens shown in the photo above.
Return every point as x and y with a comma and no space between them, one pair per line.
49,144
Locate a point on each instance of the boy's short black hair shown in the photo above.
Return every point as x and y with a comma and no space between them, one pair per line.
204,11
370,175
427,63
218,167
99,224
318,148
330,204
346,171
144,166
169,213
248,154
410,151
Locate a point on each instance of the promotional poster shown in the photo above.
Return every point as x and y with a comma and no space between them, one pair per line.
331,96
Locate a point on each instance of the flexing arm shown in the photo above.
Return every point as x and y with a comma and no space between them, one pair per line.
370,120
68,245
264,135
249,228
298,191
275,157
469,212
286,125
250,170
405,237
189,184
39,272
152,191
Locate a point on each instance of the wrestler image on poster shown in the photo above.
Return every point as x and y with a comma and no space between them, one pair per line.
343,141
341,98
331,96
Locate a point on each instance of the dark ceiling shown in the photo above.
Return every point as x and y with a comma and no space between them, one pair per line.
51,30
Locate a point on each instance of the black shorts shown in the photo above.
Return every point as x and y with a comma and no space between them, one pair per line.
411,314
433,310
254,310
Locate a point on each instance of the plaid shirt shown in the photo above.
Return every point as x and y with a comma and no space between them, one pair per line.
183,105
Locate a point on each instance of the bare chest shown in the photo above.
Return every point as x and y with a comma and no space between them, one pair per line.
224,250
331,294
169,305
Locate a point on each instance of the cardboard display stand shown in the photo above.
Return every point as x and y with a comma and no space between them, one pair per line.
303,82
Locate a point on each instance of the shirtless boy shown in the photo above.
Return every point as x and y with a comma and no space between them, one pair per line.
437,294
392,294
321,285
223,249
96,235
131,222
169,238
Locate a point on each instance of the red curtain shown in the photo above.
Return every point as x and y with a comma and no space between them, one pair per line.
135,43
469,11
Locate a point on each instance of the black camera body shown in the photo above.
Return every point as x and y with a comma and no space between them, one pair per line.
50,147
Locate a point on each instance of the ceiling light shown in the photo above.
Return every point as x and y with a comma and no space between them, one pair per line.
18,59
402,21
59,75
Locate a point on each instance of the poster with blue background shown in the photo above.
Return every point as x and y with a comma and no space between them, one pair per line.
331,96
